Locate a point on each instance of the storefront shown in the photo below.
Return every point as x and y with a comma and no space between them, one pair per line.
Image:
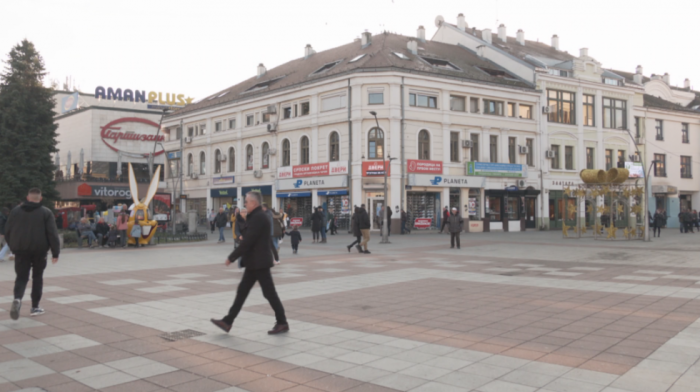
508,208
426,191
373,189
265,191
667,197
224,197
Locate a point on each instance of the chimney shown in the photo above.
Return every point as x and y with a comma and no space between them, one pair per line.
686,83
486,35
461,23
502,32
261,70
308,51
366,38
583,52
555,42
412,46
520,37
638,75
667,78
639,70
420,34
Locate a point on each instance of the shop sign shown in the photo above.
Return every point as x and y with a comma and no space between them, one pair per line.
175,155
668,189
423,223
635,168
446,181
424,167
313,183
549,184
122,192
70,102
224,192
116,94
111,134
313,170
265,190
374,169
494,169
296,221
224,180
293,195
472,206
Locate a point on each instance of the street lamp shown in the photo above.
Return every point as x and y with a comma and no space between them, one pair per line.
385,218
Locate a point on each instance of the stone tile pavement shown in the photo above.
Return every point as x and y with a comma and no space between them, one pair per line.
507,312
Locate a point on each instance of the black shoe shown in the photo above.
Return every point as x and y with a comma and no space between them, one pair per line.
367,252
349,247
359,248
278,328
221,324
14,310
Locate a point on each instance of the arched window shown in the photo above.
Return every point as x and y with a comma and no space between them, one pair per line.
217,162
202,163
334,147
286,153
265,156
231,159
304,150
376,144
190,165
249,157
424,145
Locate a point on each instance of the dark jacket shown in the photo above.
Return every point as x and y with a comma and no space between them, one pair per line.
455,223
3,221
363,219
277,225
221,219
296,237
255,250
241,227
31,228
403,217
354,224
659,220
102,228
317,221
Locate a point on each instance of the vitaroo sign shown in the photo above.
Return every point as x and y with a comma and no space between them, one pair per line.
313,183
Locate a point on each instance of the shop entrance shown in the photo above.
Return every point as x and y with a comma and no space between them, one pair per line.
530,212
686,203
559,210
375,205
298,207
424,205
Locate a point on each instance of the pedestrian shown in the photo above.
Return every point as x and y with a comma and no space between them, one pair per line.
445,218
334,226
277,228
364,224
455,226
240,226
4,213
220,222
324,224
234,215
658,222
389,215
403,222
256,255
296,238
123,226
316,223
85,231
31,232
101,231
355,230
269,214
136,231
212,217
696,224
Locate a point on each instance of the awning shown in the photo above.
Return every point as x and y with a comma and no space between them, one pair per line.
333,193
293,194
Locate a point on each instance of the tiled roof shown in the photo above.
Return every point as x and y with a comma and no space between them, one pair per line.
659,103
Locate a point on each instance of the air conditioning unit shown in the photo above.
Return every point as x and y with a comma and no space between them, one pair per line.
273,151
258,174
635,158
271,109
272,127
660,137
188,139
549,109
521,183
194,176
467,144
549,154
524,149
223,158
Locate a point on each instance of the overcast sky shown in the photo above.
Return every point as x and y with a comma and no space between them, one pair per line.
199,47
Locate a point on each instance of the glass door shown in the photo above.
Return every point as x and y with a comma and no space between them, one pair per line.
530,212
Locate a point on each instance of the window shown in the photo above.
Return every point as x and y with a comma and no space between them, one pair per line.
555,159
190,165
511,109
454,146
424,145
621,159
376,144
265,156
493,148
400,55
249,157
659,130
473,105
376,98
660,167
589,110
249,120
287,112
304,150
202,129
305,109
561,107
358,57
637,127
457,103
334,147
686,170
231,159
190,131
608,159
557,72
326,67
568,158
684,132
526,112
442,64
425,101
286,153
590,158
217,162
614,113
511,149
174,168
475,147
612,82
217,126
263,85
178,133
202,163
530,143
333,102
494,108
266,117
231,123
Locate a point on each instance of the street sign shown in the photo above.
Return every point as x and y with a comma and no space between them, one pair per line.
296,221
423,223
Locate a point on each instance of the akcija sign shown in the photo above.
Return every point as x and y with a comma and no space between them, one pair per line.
423,223
423,167
120,192
113,133
313,170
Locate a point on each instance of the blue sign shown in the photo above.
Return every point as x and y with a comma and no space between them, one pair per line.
494,169
265,190
224,192
333,193
293,194
175,155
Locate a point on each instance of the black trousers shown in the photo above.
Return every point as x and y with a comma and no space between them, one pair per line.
454,237
444,223
264,277
24,262
357,241
316,235
657,229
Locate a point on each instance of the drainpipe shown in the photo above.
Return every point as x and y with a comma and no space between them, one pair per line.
350,149
403,181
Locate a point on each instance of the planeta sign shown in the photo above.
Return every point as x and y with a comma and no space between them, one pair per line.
116,133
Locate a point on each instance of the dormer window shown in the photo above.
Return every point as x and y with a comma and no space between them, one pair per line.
326,67
612,82
400,55
263,85
558,72
357,58
442,64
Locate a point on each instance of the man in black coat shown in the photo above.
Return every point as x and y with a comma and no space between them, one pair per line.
30,232
255,250
364,225
220,221
355,228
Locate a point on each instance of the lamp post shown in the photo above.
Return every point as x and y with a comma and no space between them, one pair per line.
385,217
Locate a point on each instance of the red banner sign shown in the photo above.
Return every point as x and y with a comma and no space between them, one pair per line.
296,221
374,169
112,134
423,167
423,223
313,170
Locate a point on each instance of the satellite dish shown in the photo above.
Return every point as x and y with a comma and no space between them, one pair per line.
439,20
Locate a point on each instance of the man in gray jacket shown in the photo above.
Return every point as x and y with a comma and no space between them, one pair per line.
31,232
455,224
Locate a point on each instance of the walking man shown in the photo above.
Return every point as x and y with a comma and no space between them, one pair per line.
255,250
31,232
445,218
364,224
220,221
455,225
355,229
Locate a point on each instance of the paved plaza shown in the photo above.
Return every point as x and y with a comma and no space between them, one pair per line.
512,312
